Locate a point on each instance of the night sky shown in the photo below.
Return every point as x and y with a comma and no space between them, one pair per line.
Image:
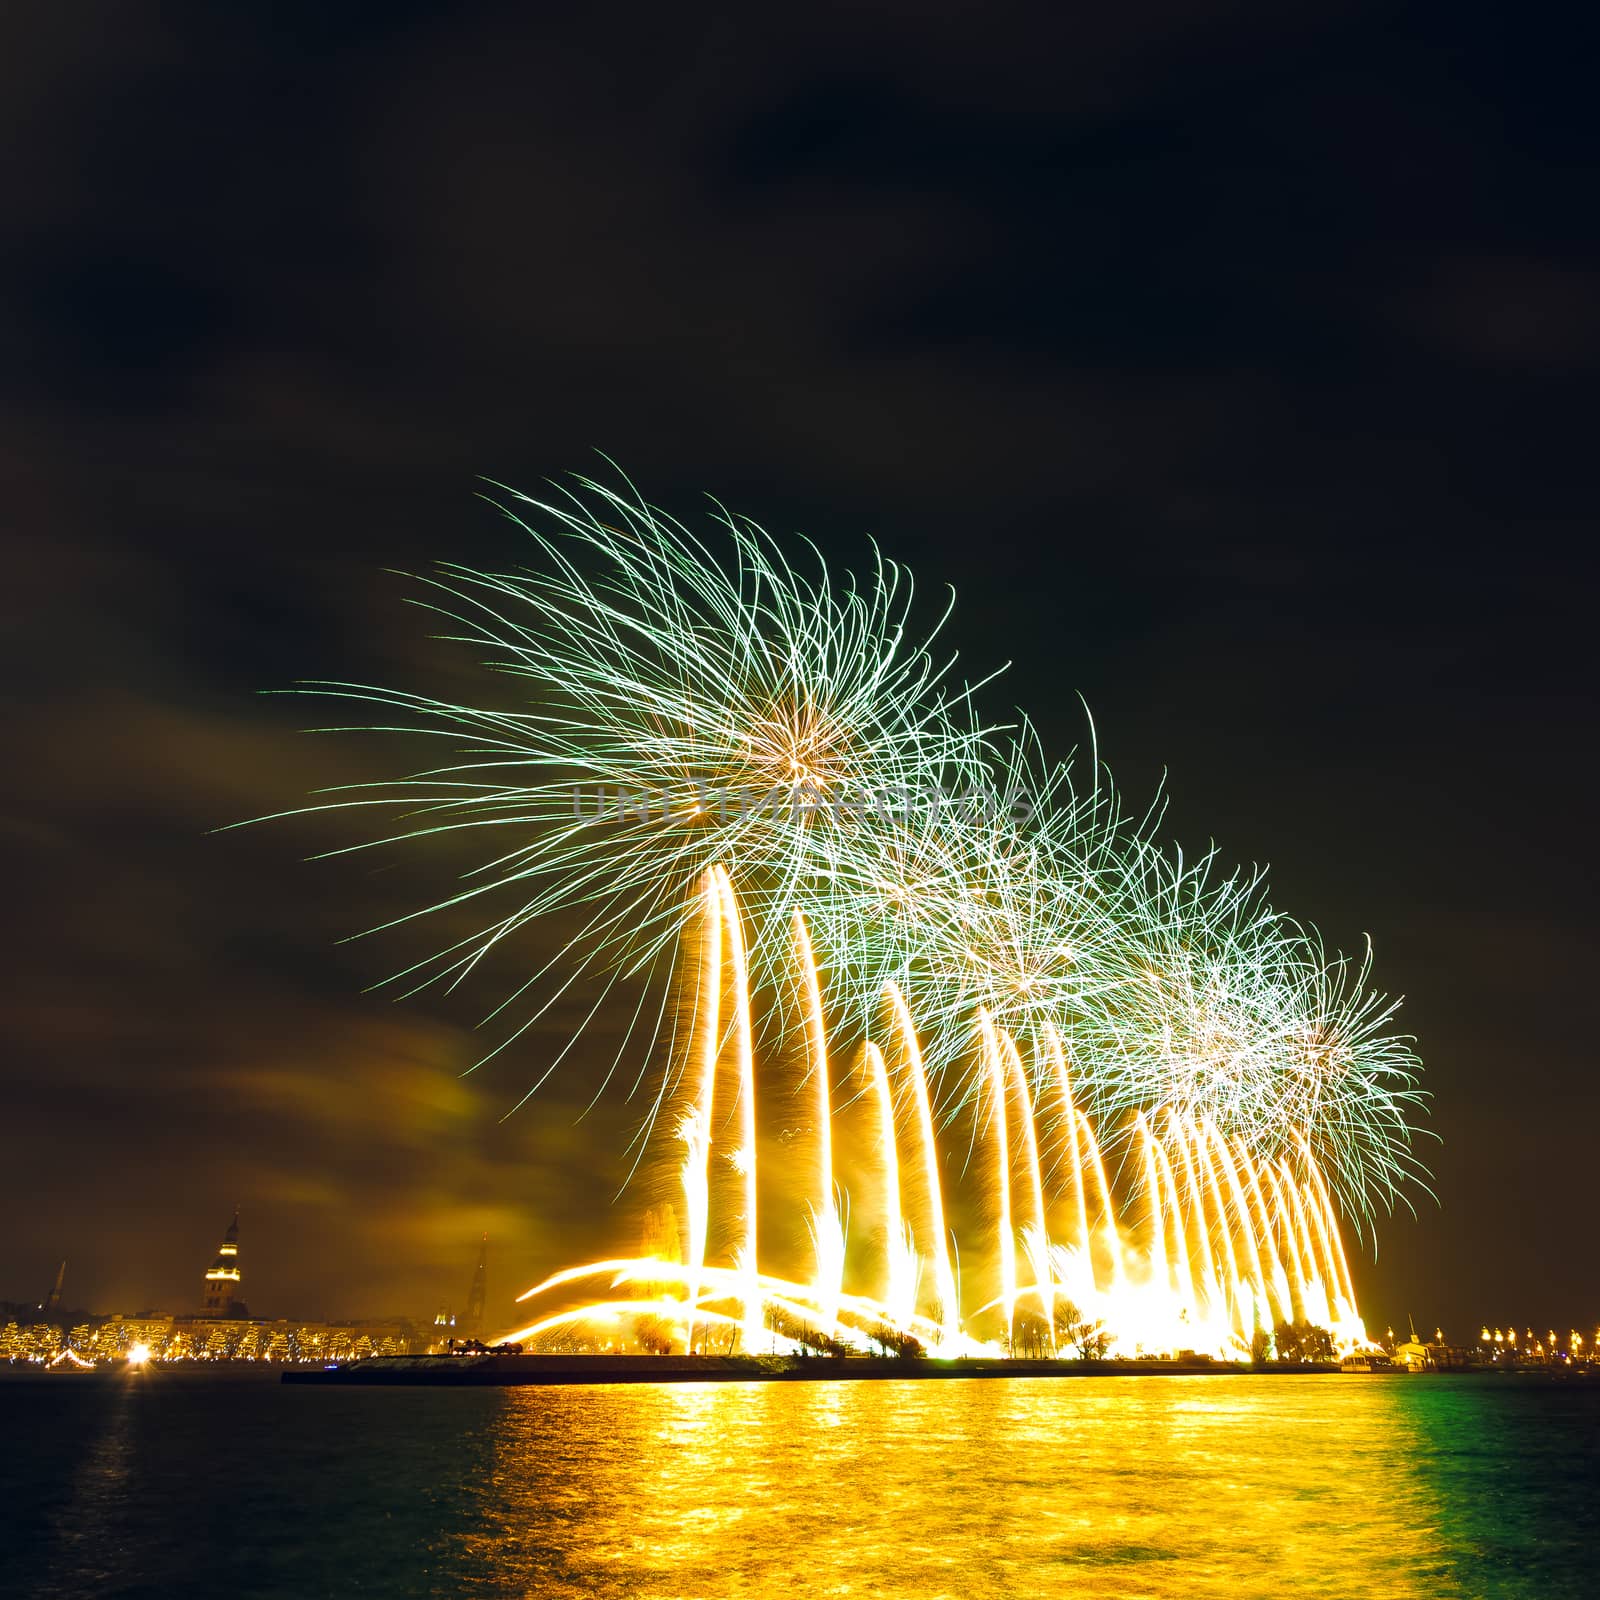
1236,365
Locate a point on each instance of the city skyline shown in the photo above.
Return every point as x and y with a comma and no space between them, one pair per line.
1499,1338
220,1291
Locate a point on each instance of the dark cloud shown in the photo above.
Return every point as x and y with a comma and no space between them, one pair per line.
1236,366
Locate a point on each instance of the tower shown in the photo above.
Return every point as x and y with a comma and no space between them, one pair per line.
52,1303
223,1276
473,1321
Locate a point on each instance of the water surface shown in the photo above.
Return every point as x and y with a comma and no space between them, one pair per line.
1226,1486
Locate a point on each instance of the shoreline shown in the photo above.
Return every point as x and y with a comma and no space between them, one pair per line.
506,1371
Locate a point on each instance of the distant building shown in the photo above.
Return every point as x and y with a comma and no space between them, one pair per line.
1413,1354
223,1277
222,1331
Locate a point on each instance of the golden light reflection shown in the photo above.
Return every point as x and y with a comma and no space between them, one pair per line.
1162,1488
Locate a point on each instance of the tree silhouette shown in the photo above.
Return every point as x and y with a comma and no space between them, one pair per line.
1030,1336
1300,1342
1077,1332
654,1334
896,1342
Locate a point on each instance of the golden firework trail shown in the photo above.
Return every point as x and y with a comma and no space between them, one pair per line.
1198,1261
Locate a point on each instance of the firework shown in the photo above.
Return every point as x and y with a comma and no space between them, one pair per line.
678,706
1216,1245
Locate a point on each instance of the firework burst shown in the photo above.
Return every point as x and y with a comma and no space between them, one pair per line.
682,705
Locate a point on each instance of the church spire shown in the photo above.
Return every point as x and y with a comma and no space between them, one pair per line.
223,1277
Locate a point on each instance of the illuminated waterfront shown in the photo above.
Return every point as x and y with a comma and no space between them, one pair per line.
1481,1487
